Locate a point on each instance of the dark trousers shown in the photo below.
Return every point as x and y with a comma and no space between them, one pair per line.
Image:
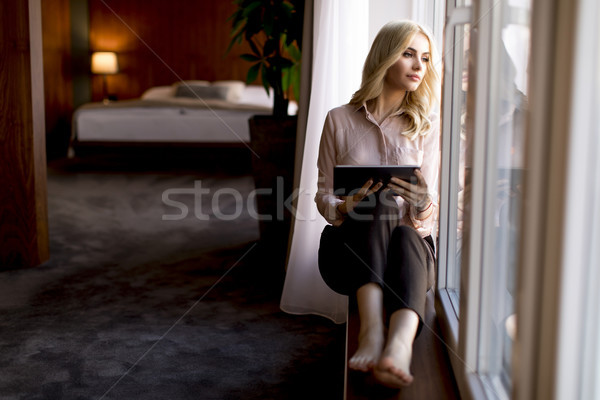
371,246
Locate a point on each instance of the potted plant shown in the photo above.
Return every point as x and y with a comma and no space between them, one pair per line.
273,31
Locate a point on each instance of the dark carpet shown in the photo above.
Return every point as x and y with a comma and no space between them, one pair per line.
135,306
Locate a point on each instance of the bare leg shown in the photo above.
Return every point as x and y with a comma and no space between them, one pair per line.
371,334
393,368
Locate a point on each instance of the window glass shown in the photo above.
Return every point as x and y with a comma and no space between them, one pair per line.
498,284
483,148
459,142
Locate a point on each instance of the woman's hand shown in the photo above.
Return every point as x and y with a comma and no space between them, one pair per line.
351,201
415,194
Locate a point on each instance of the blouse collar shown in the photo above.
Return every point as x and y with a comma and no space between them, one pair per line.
399,112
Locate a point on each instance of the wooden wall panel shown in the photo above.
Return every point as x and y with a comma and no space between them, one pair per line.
58,81
159,42
23,210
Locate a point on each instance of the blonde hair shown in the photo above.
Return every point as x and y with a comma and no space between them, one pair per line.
392,40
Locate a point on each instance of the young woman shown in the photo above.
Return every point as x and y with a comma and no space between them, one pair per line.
378,247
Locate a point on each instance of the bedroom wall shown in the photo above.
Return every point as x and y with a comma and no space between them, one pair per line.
58,82
159,42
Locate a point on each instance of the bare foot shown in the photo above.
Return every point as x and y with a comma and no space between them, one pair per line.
370,344
393,369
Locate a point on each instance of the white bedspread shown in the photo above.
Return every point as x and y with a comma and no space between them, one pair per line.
162,124
171,120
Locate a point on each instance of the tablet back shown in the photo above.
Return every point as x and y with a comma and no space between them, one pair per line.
348,179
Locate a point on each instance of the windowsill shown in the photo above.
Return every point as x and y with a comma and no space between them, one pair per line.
469,383
494,388
447,318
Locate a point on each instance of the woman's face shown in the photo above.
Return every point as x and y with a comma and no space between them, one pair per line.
408,71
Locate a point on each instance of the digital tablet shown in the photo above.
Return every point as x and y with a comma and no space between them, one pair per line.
348,179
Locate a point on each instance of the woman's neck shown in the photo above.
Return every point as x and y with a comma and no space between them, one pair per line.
387,103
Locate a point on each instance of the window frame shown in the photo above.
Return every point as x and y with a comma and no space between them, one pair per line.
455,16
559,251
461,334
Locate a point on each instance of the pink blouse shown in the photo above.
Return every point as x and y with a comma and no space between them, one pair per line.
352,136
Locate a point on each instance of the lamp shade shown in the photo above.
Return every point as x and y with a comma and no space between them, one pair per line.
104,62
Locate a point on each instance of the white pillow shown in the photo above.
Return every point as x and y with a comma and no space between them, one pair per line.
192,83
257,95
202,92
235,89
158,92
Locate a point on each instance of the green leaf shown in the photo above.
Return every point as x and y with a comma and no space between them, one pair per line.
271,46
236,27
293,51
251,7
268,21
254,48
285,79
250,57
265,79
253,73
280,62
236,39
295,80
235,16
253,26
288,8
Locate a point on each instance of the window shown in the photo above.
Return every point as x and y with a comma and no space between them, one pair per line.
456,125
506,135
452,174
484,110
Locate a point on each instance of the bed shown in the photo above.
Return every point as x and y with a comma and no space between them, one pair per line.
190,112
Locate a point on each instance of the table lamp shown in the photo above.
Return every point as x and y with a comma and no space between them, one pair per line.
104,63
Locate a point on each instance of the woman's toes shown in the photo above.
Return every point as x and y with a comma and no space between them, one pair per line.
361,364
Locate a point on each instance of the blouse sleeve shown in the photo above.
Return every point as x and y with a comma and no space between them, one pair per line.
430,169
326,201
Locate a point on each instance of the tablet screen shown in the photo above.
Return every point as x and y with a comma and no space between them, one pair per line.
348,179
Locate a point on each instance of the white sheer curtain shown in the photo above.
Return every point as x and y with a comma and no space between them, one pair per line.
340,45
